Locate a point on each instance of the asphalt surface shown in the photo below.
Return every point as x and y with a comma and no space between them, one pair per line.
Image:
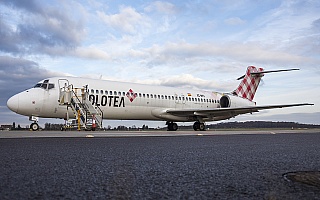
246,166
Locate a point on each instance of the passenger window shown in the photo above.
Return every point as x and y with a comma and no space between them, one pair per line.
139,94
158,96
101,91
106,92
147,95
119,93
144,95
92,90
179,98
161,96
165,96
110,92
169,97
97,91
151,95
124,94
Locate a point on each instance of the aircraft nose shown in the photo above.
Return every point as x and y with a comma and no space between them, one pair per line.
13,103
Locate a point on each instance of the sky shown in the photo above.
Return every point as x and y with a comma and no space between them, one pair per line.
192,44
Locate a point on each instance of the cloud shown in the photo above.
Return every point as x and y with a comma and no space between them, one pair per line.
90,53
39,29
234,21
17,74
30,6
127,20
161,7
244,52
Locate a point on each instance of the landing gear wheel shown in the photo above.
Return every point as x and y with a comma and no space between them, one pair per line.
172,126
34,126
199,126
202,127
196,126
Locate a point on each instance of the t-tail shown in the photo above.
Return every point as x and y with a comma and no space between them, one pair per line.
249,85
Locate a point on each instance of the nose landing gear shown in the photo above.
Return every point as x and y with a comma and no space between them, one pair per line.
34,126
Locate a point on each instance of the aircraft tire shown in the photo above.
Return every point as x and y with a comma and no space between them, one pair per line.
34,126
172,126
202,127
196,126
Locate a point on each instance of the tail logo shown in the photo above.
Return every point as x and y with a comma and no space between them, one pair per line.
248,86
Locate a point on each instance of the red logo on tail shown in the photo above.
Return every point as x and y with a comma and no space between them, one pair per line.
248,86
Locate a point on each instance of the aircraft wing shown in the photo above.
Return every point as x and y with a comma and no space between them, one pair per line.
226,112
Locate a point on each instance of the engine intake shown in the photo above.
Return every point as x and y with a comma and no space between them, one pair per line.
232,101
225,102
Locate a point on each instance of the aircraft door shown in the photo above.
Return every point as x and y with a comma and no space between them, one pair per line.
47,97
63,83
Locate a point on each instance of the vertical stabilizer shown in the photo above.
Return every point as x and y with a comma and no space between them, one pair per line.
248,86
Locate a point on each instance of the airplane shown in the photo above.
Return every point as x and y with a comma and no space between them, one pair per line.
89,101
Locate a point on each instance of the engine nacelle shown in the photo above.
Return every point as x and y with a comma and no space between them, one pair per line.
231,101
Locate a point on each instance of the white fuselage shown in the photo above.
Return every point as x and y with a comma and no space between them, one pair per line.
118,100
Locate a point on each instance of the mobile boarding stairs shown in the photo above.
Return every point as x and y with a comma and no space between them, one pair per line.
88,116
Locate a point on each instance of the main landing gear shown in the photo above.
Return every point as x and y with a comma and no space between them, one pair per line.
172,126
199,126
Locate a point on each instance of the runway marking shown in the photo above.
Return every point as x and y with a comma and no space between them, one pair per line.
89,136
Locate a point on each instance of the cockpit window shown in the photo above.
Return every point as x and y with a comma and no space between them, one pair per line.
45,85
37,85
51,85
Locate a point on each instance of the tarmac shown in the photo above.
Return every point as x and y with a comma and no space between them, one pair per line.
258,164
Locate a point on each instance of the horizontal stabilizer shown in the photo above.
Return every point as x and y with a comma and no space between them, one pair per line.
280,70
